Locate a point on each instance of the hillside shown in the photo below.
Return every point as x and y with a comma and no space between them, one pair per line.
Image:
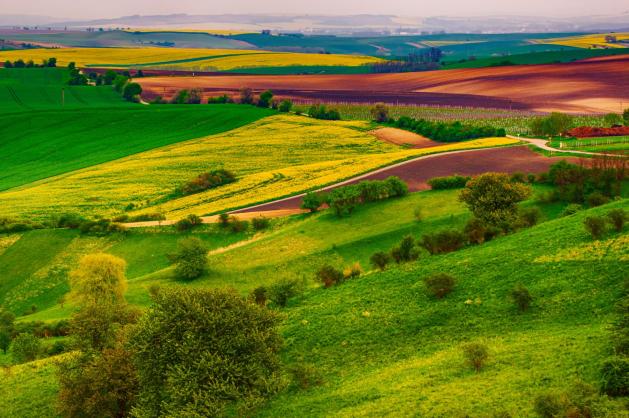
382,347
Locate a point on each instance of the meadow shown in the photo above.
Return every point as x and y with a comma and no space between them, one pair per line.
609,143
272,158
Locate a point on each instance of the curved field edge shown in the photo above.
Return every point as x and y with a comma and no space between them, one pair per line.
41,144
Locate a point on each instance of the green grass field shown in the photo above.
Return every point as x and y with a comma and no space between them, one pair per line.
608,143
42,144
383,347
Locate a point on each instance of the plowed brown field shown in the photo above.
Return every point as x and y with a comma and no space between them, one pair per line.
596,85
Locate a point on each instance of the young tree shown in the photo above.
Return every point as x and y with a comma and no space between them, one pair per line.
312,201
132,91
190,259
99,279
493,198
265,99
380,113
119,82
203,352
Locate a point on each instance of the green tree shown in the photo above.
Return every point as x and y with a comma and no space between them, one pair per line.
265,98
109,77
312,201
553,125
493,198
6,319
202,352
119,82
625,117
190,259
25,347
612,119
285,106
132,91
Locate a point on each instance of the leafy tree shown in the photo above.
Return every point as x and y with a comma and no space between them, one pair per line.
284,289
405,251
25,347
71,66
285,106
595,225
625,117
329,276
203,352
190,258
6,319
612,119
119,82
521,297
132,91
493,198
5,340
380,113
195,96
265,99
109,77
343,200
99,279
246,95
380,260
476,355
312,201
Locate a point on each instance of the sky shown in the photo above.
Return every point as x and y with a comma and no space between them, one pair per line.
416,8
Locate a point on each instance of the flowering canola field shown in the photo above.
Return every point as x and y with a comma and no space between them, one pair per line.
589,41
272,158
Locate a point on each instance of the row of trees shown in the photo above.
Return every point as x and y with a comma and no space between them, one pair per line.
20,63
418,61
447,131
559,124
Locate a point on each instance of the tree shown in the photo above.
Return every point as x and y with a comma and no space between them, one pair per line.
380,113
71,66
625,117
521,297
109,77
131,91
190,258
439,285
265,99
202,352
285,106
99,279
25,348
380,260
312,201
553,125
5,340
612,119
476,355
195,96
596,226
246,95
119,82
6,319
493,198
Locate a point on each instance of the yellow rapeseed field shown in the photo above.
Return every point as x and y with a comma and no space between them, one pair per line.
273,157
588,41
225,32
223,59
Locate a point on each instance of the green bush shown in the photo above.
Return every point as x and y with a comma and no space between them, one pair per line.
260,223
380,260
406,251
477,231
596,199
596,226
521,297
190,259
260,295
312,201
188,223
283,290
329,276
617,218
571,209
236,225
285,106
444,241
615,376
447,131
449,182
25,347
220,99
476,355
530,216
440,285
322,112
550,405
205,353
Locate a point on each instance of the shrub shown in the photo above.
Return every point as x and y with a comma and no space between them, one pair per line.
353,271
531,178
476,354
223,220
190,259
521,297
236,225
405,251
439,285
322,112
447,131
448,182
329,276
131,92
554,124
220,99
343,200
25,347
57,348
260,295
443,241
204,353
380,260
260,222
571,209
617,218
312,201
5,340
476,231
380,113
265,99
306,375
396,187
285,106
529,217
596,199
550,405
595,225
282,290
188,223
207,181
615,376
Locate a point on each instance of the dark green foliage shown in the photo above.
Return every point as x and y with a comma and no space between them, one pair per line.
329,276
204,352
260,295
320,111
265,98
119,82
285,106
493,198
260,223
8,225
617,218
448,182
443,241
625,117
343,200
188,223
615,376
447,132
5,340
595,226
182,97
552,125
57,348
131,92
575,182
571,209
236,225
380,113
405,251
476,355
439,285
521,297
529,216
283,290
208,181
620,326
190,259
220,99
612,119
596,199
380,260
76,77
550,405
109,77
25,347
478,232
313,201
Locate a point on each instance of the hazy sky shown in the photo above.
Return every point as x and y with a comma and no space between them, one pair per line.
116,8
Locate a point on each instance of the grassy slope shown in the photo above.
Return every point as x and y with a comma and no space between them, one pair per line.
41,144
403,357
